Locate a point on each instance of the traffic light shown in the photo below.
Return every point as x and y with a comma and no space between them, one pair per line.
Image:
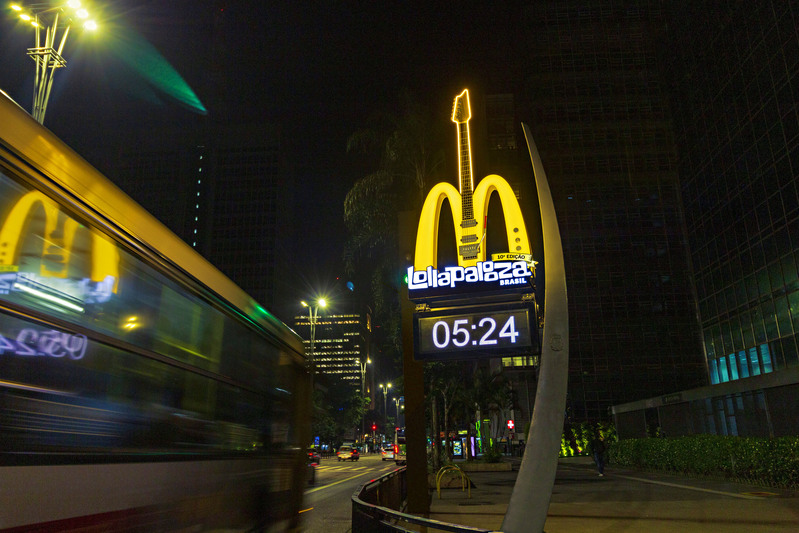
374,427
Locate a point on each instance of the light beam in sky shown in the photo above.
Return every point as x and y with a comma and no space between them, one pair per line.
147,61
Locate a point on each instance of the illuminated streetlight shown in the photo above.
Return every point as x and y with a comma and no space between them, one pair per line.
397,405
363,373
313,318
385,388
44,54
363,385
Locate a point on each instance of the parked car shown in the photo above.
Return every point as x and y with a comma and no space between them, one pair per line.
313,456
387,453
348,453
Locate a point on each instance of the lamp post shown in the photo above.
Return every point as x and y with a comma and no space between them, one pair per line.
385,388
363,387
44,54
313,317
397,405
363,373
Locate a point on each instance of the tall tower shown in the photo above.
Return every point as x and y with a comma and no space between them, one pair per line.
735,79
592,93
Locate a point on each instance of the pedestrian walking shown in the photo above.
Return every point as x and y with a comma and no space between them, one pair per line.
599,450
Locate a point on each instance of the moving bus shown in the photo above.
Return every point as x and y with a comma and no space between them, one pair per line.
140,388
399,446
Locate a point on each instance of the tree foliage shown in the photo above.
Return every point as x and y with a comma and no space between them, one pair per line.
403,150
338,409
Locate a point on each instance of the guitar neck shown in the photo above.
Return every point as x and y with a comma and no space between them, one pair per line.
467,210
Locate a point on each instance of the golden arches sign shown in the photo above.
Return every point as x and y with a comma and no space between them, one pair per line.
58,242
427,232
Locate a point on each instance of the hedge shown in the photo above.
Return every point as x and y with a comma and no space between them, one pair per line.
772,462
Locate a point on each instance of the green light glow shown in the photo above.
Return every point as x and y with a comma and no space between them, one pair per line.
146,61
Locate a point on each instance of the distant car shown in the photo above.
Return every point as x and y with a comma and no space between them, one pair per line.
348,453
313,456
387,453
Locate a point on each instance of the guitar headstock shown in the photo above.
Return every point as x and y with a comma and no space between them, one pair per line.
461,111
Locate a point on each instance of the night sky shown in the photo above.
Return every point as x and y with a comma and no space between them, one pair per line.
318,69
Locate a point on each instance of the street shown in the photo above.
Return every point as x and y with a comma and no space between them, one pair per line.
327,506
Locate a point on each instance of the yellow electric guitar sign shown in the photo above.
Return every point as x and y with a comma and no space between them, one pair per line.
469,206
469,212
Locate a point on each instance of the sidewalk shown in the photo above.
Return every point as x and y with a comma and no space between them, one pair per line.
626,500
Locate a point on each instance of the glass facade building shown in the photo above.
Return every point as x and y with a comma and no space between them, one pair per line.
736,89
592,92
227,194
341,343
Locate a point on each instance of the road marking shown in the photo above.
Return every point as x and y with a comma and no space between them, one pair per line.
337,482
743,496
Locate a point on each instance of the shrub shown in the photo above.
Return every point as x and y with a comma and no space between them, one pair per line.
492,455
773,462
582,434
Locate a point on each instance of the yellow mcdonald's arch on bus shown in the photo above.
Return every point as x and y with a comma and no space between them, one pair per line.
58,241
427,233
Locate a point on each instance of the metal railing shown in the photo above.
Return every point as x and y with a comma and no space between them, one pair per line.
377,508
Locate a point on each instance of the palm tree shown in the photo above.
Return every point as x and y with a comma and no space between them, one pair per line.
492,395
445,382
404,150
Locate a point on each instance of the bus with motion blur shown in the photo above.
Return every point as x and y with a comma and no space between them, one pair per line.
140,388
399,446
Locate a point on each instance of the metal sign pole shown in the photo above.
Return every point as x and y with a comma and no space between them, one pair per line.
529,502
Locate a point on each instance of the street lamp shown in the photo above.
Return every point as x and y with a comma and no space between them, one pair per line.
363,386
313,317
363,373
44,54
396,404
385,388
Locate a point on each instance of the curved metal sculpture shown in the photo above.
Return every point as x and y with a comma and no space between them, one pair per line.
529,502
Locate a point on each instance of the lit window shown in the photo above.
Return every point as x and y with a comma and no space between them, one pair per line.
724,375
765,356
742,362
733,367
754,361
714,372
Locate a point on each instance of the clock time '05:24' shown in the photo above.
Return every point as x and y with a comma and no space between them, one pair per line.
491,331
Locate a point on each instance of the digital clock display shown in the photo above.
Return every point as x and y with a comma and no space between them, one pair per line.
490,332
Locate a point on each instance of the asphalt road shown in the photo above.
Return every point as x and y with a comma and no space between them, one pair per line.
327,506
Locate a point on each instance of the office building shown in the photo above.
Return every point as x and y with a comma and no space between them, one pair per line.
340,345
734,70
226,193
591,91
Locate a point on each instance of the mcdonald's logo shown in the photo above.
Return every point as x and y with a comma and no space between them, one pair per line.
469,213
427,233
59,249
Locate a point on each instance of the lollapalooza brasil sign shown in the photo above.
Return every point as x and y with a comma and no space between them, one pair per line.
474,273
458,321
